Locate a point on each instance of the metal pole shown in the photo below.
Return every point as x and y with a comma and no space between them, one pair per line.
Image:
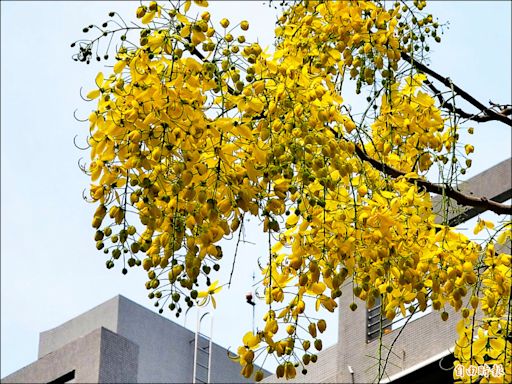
195,348
210,352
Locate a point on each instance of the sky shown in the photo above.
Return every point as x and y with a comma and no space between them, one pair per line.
50,269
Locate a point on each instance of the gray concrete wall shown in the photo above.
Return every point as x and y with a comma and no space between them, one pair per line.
103,315
83,355
494,183
119,359
121,341
167,349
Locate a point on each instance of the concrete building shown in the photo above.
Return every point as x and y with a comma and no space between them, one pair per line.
421,352
120,341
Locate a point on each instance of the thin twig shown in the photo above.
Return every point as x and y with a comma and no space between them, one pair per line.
236,250
493,115
393,343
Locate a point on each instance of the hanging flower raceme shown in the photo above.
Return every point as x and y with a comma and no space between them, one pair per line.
195,129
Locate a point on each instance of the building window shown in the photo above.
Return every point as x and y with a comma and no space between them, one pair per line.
374,320
66,378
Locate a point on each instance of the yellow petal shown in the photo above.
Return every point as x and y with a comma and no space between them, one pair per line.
317,288
99,79
292,220
250,340
148,17
182,18
197,37
498,344
328,303
93,94
478,227
119,66
244,131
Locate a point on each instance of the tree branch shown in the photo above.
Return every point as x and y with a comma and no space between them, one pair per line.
491,114
443,190
466,115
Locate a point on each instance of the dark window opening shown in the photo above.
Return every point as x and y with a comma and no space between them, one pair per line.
440,371
66,378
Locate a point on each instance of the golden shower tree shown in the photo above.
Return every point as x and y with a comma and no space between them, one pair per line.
196,129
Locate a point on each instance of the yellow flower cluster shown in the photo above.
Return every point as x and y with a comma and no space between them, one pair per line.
195,130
